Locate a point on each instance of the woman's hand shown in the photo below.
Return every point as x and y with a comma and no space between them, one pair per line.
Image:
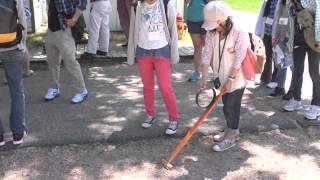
203,84
71,22
187,1
130,65
275,41
227,86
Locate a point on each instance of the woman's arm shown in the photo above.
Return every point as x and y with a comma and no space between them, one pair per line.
207,56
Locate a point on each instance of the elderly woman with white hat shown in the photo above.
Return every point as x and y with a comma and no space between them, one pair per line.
225,49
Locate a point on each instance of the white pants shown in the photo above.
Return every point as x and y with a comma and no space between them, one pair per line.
99,30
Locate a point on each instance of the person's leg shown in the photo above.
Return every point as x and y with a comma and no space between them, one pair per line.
68,52
274,72
231,108
146,67
104,34
94,29
196,33
267,70
1,127
26,64
313,59
2,57
123,7
13,70
289,94
53,58
280,80
299,55
197,42
163,71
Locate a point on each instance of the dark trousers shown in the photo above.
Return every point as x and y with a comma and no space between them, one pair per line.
299,55
231,108
124,10
267,75
12,62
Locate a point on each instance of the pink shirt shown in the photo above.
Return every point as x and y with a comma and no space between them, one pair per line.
241,45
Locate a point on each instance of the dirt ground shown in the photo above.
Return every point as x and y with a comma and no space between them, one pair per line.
269,155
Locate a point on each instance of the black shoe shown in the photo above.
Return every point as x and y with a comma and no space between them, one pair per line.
18,138
87,55
125,45
288,96
2,142
277,92
101,53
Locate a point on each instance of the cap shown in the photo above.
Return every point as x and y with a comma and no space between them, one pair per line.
215,12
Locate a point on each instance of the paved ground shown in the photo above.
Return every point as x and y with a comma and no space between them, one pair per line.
102,138
115,108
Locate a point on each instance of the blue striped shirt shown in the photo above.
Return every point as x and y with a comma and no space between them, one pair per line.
314,6
66,9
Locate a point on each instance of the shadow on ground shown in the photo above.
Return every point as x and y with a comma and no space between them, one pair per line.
112,116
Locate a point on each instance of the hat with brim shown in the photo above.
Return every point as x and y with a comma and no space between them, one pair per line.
210,25
215,12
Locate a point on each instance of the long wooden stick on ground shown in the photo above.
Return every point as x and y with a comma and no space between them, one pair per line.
167,162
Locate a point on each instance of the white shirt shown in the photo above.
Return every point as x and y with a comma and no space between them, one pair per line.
152,33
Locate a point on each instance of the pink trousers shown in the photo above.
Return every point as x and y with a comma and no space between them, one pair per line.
162,68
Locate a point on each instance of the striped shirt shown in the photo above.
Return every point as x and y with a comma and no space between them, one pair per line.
67,8
314,6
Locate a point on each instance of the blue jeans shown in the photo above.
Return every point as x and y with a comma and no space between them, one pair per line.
13,61
281,77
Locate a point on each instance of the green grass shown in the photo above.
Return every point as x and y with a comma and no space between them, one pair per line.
34,40
246,5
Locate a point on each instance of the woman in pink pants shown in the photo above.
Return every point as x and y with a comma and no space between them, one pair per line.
153,44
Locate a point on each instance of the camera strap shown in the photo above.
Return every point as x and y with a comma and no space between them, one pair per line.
221,52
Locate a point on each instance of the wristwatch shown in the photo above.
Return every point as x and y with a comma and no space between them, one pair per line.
231,78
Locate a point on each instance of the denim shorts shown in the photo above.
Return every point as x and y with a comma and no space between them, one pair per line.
195,28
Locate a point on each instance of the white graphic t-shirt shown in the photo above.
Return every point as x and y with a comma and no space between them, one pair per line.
152,34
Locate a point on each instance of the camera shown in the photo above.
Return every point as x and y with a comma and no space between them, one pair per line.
216,83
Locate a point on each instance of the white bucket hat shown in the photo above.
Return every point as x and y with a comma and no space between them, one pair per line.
215,12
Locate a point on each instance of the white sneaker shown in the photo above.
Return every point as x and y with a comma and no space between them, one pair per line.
52,93
172,128
272,85
313,112
148,122
79,97
2,141
223,145
219,137
293,105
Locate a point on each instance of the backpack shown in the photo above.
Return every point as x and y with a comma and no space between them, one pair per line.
306,19
10,29
254,59
257,46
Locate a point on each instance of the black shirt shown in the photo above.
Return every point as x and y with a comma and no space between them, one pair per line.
53,20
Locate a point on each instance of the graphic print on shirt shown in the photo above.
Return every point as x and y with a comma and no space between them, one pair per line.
153,22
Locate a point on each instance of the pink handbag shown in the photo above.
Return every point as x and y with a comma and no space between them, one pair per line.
249,65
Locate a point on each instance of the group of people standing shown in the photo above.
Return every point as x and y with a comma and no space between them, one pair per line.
286,39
